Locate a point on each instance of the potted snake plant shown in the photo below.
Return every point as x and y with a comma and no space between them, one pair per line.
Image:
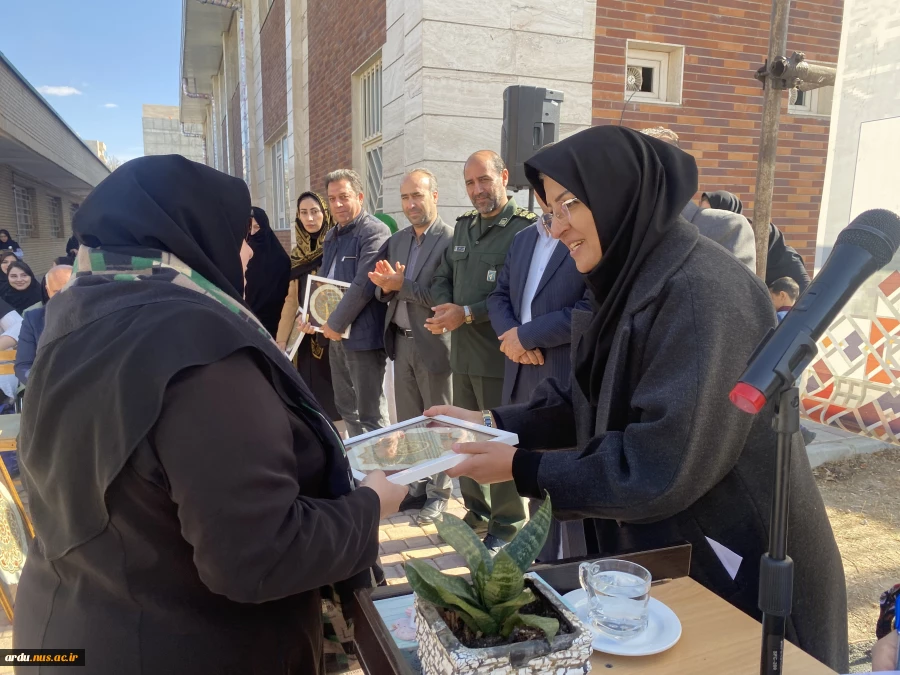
506,620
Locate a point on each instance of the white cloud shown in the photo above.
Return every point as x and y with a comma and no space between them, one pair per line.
110,105
58,91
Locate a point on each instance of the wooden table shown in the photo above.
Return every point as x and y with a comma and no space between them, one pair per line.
9,432
716,638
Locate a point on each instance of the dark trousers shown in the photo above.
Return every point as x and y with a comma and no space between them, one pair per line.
358,379
415,390
499,505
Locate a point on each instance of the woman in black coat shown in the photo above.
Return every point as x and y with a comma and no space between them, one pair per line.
175,532
662,456
268,273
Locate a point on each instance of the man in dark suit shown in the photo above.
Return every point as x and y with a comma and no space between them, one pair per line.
531,311
422,376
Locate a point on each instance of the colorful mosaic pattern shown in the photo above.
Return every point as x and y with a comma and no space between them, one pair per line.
854,383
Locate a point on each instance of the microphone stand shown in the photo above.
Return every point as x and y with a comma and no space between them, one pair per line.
776,572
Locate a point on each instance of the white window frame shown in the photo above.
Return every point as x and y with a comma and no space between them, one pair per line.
280,214
24,204
56,217
367,131
659,63
667,62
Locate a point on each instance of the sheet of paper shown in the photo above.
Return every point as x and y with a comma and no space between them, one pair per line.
730,560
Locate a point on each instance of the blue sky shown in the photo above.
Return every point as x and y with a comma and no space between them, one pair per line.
117,54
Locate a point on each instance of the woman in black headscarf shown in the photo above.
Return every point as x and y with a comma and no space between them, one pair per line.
7,243
311,224
268,273
23,290
782,260
662,456
175,533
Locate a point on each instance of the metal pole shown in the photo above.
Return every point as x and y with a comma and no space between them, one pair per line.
768,137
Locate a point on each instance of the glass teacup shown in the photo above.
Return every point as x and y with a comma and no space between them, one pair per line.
618,594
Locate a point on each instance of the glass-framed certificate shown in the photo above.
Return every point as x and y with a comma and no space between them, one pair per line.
295,337
322,298
418,448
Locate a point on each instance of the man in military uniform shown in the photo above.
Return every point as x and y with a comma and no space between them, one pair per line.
462,283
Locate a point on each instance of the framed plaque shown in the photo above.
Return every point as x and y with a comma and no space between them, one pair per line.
418,448
322,298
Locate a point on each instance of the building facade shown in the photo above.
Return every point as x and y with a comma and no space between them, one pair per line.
46,170
99,149
288,90
854,384
164,134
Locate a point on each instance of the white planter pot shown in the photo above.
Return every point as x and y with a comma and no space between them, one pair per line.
441,653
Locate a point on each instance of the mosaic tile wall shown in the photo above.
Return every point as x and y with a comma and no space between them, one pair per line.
854,383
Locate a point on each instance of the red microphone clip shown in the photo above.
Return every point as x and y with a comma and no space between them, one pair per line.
747,398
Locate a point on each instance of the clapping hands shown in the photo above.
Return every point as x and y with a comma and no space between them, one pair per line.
386,277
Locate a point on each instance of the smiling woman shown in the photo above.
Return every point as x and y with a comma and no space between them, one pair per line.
24,290
661,456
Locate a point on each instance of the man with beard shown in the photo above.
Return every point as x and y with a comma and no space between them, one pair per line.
421,359
467,275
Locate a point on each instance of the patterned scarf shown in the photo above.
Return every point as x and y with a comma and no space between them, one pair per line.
306,251
164,267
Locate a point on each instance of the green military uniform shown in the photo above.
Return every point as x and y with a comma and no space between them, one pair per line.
466,277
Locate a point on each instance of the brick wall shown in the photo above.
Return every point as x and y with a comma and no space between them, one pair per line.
274,66
41,249
719,119
339,43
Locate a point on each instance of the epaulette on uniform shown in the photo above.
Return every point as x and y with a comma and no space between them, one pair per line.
468,214
525,213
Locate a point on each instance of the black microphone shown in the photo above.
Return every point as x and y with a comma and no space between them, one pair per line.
864,247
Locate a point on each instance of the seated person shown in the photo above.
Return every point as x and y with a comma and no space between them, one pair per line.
784,293
33,320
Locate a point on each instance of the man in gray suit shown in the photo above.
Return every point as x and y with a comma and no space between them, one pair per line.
422,375
730,230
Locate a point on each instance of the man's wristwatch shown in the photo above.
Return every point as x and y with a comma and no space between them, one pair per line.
468,311
488,417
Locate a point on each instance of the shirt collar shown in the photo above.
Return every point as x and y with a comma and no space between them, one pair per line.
412,230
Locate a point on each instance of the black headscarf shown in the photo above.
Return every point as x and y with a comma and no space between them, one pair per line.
724,201
110,348
268,273
69,257
10,244
636,188
22,300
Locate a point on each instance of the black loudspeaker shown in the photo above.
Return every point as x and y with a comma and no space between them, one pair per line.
530,121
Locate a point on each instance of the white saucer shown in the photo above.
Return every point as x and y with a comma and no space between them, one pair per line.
662,632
